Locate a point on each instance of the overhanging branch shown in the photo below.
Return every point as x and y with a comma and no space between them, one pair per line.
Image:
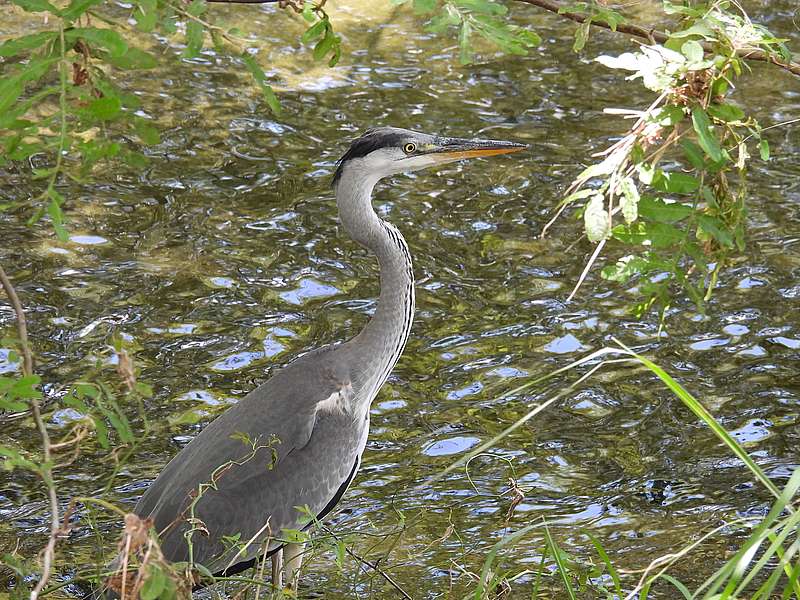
652,35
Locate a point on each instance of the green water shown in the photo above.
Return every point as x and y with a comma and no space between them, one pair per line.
223,260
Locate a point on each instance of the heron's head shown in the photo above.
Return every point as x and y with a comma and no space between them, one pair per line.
386,151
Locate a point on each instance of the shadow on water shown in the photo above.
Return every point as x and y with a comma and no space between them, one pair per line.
223,259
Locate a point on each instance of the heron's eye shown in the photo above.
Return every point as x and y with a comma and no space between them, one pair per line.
409,148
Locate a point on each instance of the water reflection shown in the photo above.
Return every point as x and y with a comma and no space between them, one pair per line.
223,259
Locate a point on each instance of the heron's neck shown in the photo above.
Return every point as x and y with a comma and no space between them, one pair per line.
382,340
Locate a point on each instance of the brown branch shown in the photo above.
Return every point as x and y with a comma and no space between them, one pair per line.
46,472
651,35
22,327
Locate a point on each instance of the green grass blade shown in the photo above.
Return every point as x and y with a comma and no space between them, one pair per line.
487,564
521,421
735,568
700,411
793,587
601,552
680,587
562,568
538,580
777,545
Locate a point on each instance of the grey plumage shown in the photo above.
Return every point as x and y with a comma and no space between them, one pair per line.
309,422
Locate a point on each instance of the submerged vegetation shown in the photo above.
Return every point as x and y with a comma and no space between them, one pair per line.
667,202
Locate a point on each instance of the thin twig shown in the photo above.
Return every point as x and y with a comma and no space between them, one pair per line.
373,566
651,35
586,269
27,369
22,326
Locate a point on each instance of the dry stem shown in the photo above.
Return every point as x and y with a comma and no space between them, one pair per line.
46,473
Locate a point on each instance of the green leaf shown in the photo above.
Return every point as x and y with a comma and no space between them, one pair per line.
17,388
324,45
658,210
10,89
308,10
12,405
422,7
628,266
449,16
169,23
105,38
693,153
146,132
581,35
146,15
670,115
190,416
630,200
261,79
18,45
528,38
706,135
486,7
497,32
595,219
715,228
336,53
693,51
14,459
763,149
656,235
674,182
56,215
340,550
671,9
604,15
699,29
77,8
12,86
105,109
315,31
579,195
36,6
154,584
194,39
726,112
133,59
196,8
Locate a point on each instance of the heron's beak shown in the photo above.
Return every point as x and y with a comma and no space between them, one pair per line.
449,149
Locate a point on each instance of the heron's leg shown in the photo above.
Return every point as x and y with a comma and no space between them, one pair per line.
293,558
277,569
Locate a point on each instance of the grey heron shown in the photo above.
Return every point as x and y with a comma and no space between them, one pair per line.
296,440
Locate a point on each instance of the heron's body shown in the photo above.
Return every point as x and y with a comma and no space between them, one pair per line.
296,441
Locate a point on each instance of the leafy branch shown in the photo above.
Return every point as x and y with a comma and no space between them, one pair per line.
618,24
682,223
77,60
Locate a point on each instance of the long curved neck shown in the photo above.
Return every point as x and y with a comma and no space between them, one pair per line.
381,342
